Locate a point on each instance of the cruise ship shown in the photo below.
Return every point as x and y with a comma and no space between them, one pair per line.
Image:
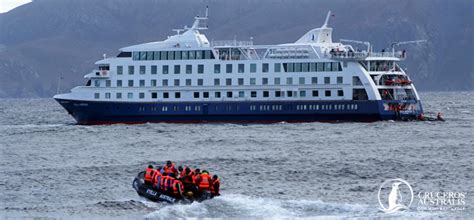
189,79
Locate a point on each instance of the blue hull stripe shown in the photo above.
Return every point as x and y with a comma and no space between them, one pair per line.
97,112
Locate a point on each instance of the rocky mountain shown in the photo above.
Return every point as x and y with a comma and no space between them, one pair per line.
46,39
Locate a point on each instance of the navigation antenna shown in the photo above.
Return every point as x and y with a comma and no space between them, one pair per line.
406,42
200,23
327,20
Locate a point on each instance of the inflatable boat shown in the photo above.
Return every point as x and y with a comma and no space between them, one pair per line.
156,195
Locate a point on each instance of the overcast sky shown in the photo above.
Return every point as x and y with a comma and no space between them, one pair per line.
7,5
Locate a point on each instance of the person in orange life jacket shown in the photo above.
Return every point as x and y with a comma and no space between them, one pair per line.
215,186
149,173
164,182
157,179
155,176
197,177
205,183
178,188
187,176
170,169
180,170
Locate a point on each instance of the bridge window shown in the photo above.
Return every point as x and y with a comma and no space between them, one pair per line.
302,80
265,67
184,55
177,69
156,55
119,70
189,69
163,55
192,55
199,55
142,55
302,93
312,67
305,67
200,69
170,55
253,94
177,55
253,68
241,68
277,68
149,55
136,55
207,54
297,67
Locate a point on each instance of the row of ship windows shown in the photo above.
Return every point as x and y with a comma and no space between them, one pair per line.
173,55
217,82
305,107
228,94
229,68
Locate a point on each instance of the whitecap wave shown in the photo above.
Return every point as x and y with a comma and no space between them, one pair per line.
241,206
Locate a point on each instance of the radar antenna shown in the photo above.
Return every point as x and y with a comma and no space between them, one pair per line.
200,23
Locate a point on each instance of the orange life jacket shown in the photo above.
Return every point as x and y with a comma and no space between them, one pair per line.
166,183
156,178
169,169
187,177
205,181
196,178
177,185
215,186
149,174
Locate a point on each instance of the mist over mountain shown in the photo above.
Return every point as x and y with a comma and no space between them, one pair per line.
46,39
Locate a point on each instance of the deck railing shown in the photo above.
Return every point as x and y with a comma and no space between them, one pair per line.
231,43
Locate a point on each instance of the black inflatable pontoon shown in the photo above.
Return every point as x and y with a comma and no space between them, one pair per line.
157,195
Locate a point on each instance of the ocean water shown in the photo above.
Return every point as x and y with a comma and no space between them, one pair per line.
52,168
